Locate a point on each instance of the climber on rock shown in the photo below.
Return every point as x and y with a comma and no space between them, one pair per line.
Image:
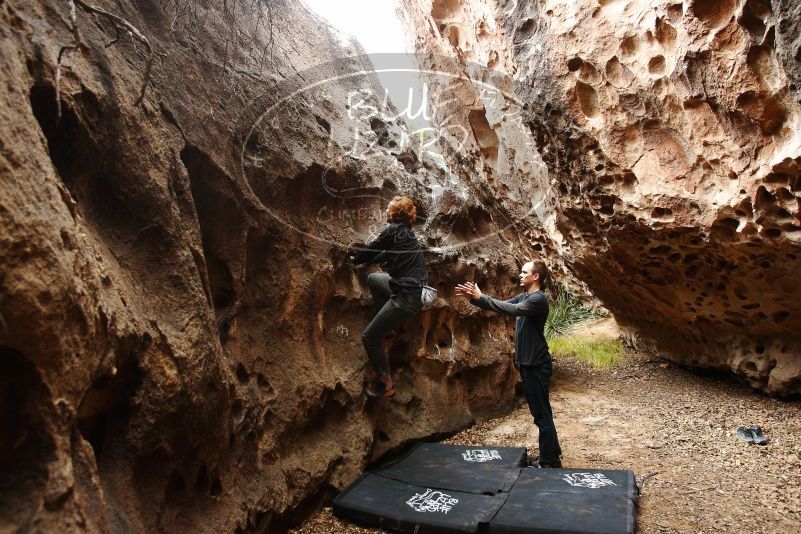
397,293
532,357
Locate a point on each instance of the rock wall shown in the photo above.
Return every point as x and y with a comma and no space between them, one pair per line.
179,331
671,138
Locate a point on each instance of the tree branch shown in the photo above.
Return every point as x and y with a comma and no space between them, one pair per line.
132,30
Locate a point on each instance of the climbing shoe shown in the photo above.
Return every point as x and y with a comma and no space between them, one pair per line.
380,391
758,437
556,464
744,434
538,464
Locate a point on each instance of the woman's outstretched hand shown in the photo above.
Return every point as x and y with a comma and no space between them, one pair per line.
468,290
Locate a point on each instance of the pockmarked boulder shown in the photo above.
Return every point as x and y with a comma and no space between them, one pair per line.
663,145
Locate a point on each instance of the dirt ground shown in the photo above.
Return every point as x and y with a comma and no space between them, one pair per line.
651,417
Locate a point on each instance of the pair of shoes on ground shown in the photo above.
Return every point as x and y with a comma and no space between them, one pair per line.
536,463
380,390
752,434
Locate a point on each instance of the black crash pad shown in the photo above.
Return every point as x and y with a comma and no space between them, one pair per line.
384,503
568,500
454,488
466,468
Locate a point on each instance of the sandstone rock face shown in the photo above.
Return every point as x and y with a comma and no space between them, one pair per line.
671,139
179,332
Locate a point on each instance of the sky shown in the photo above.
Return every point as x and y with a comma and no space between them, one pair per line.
373,22
377,27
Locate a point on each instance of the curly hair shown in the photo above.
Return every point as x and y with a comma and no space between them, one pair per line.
402,209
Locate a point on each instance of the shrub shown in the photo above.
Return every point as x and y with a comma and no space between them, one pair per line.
566,311
602,353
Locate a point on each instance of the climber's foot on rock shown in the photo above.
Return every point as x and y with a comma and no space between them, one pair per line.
381,390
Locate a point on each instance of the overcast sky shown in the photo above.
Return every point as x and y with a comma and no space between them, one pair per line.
373,22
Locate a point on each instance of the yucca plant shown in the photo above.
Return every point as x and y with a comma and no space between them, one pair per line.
566,311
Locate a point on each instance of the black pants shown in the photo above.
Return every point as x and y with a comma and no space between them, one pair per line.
391,310
536,379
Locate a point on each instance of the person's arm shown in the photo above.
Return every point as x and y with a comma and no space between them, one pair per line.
523,304
374,252
513,306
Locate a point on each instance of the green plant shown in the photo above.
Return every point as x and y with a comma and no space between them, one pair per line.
602,353
566,311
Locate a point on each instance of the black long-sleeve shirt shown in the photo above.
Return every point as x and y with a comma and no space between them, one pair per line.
397,246
531,310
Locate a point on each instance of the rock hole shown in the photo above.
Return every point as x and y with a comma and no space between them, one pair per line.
780,316
656,65
772,233
101,192
716,13
675,11
218,215
444,9
485,136
104,412
216,488
751,21
629,47
381,130
440,336
762,61
236,408
574,64
760,349
662,213
26,445
588,100
661,250
618,74
763,198
453,35
665,34
528,27
262,381
383,436
324,124
241,373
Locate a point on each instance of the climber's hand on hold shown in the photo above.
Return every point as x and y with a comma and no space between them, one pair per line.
350,252
468,290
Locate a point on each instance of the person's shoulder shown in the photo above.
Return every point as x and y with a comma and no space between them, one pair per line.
537,296
391,228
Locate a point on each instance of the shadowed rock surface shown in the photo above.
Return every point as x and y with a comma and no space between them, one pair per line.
671,140
180,333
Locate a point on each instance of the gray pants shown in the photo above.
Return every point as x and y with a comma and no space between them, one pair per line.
391,310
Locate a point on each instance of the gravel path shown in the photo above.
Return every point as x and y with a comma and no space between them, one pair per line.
651,417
